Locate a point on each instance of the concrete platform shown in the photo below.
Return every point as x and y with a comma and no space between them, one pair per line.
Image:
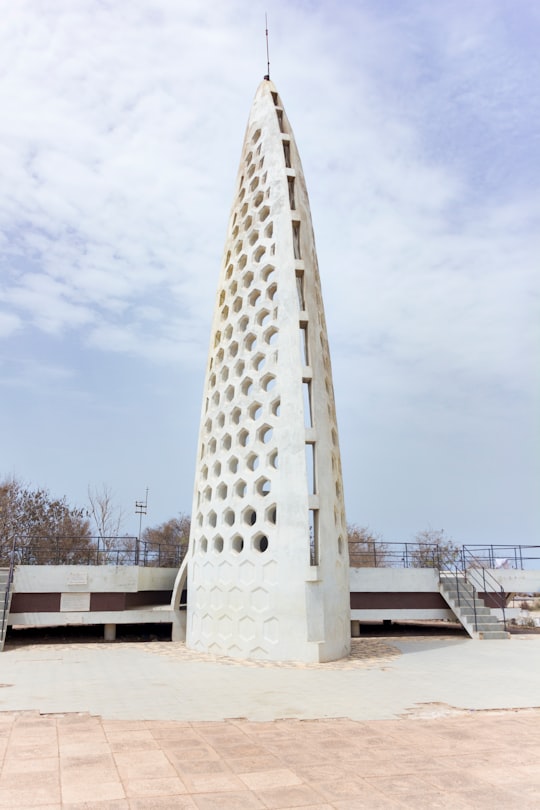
404,722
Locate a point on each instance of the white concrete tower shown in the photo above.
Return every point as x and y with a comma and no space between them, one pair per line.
267,564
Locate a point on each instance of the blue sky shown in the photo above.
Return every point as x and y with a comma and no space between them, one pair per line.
417,123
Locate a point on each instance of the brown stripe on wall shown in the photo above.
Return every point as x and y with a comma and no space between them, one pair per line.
35,603
390,600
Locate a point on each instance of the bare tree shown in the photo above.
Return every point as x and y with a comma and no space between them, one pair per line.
433,550
108,517
167,543
366,549
42,529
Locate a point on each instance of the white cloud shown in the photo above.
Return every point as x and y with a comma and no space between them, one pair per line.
121,131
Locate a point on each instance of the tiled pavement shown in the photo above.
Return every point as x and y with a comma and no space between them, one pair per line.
469,760
422,754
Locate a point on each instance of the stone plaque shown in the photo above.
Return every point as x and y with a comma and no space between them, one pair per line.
74,601
77,577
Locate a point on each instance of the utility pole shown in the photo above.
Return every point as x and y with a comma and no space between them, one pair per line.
141,508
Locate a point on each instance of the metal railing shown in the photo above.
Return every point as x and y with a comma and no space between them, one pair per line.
95,551
425,555
467,570
7,594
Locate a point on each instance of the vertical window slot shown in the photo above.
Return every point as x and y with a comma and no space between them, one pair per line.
275,98
314,536
279,114
300,290
292,202
308,413
287,153
304,353
296,240
310,468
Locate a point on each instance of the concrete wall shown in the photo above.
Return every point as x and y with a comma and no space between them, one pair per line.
91,578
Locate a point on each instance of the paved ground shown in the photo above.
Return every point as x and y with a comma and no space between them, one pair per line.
417,722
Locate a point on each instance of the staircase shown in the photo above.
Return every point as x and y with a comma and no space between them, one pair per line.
6,580
458,590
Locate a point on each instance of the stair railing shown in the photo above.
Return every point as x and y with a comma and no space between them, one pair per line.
460,576
484,580
6,595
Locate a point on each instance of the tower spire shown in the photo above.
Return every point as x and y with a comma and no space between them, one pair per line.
267,77
267,566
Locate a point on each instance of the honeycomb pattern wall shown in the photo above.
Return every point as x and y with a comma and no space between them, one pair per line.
268,410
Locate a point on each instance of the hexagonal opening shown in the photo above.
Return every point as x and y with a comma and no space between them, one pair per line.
240,488
238,246
270,336
260,543
208,425
246,386
259,253
254,183
263,316
271,292
203,545
215,398
269,230
259,197
249,516
207,494
250,341
243,437
212,380
254,297
273,459
267,272
271,514
258,361
225,313
216,469
268,382
232,290
242,261
244,209
237,303
229,517
239,368
262,486
237,544
204,472
264,213
253,237
224,374
212,444
236,413
253,461
247,281
247,223
275,407
233,464
226,441
243,323
221,491
229,393
255,410
265,433
218,544
212,519
220,419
